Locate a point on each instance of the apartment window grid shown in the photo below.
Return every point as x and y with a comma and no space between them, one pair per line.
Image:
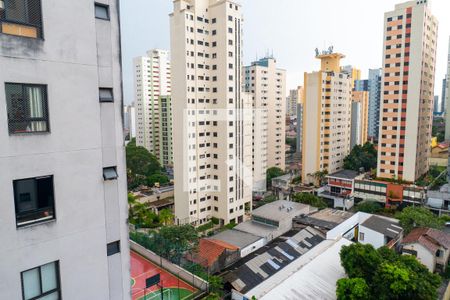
27,108
21,18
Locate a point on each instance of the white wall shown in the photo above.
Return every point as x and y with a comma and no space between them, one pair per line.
423,255
253,247
79,55
371,237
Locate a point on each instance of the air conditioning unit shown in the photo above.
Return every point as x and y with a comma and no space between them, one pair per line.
2,4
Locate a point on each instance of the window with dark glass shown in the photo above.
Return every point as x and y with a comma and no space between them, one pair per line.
27,108
106,95
110,173
113,248
21,18
42,282
101,11
34,200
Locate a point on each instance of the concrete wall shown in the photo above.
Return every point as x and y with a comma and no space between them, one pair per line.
423,255
371,237
253,247
190,278
78,55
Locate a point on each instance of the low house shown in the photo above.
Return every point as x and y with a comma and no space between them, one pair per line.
339,189
380,231
274,219
359,227
214,255
430,246
245,242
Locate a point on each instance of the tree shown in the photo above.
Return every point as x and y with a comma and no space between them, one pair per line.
309,199
412,217
272,173
370,207
387,274
293,143
215,285
360,260
361,157
352,289
166,216
160,178
319,176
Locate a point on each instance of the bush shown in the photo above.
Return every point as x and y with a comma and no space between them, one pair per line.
370,207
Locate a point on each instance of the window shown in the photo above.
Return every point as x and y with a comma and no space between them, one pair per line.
34,200
41,282
21,18
27,108
110,173
113,248
361,236
101,11
106,95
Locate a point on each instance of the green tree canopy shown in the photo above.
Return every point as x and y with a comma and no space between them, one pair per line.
387,275
272,173
352,289
411,217
361,157
309,199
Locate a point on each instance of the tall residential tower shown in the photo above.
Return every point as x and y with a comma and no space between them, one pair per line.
213,128
152,82
63,208
326,117
409,58
267,84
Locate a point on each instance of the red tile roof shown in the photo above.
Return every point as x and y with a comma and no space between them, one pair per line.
430,238
210,250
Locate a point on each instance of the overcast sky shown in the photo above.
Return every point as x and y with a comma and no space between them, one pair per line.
290,29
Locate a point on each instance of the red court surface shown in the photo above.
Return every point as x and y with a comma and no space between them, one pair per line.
142,268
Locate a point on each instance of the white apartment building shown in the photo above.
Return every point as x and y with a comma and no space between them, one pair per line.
63,208
407,91
326,117
267,84
129,120
212,132
152,80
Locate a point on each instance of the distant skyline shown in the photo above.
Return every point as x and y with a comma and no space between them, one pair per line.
290,29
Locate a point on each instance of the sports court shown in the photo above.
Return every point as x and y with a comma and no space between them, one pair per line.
174,288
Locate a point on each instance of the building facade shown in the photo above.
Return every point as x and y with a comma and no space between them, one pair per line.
63,181
360,118
443,94
213,132
326,117
152,81
291,104
299,129
407,91
267,84
374,88
129,121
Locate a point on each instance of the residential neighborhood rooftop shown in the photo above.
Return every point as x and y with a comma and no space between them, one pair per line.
345,174
236,238
281,210
430,238
387,226
326,218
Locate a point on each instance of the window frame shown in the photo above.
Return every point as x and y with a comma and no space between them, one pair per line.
39,220
58,281
39,27
114,168
117,248
102,5
105,100
44,89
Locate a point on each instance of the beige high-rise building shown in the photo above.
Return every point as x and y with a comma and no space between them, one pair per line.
326,117
354,73
267,84
152,82
212,129
407,91
291,103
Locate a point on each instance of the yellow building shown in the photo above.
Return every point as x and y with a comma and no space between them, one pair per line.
326,117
